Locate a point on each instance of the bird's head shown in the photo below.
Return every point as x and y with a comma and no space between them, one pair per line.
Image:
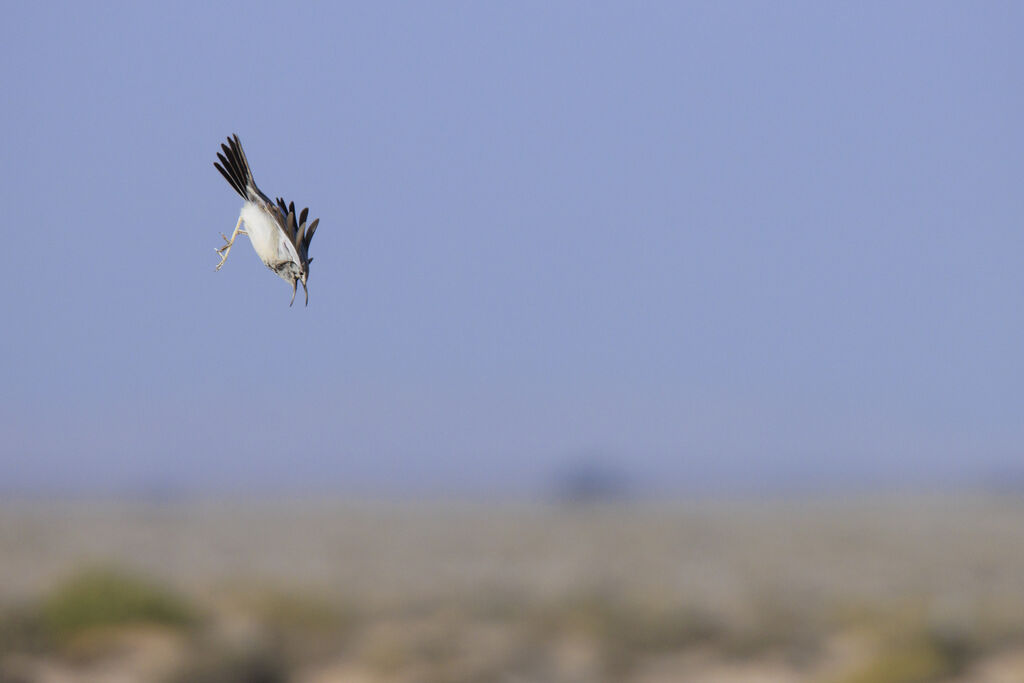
303,276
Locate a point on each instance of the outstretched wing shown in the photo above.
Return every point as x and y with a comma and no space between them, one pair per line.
235,169
298,233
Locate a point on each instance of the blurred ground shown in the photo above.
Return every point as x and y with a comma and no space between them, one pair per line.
886,589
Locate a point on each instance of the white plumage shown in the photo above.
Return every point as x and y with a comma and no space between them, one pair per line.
267,239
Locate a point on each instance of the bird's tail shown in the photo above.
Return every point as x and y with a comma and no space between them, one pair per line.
235,169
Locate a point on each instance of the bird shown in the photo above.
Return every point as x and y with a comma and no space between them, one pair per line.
279,238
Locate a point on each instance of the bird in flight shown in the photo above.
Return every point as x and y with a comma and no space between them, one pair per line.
280,239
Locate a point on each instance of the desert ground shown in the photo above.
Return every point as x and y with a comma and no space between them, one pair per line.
841,589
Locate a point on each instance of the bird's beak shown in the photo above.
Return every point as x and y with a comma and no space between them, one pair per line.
306,291
295,287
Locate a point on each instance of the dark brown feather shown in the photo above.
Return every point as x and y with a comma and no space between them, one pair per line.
230,177
229,160
227,177
242,157
227,166
289,226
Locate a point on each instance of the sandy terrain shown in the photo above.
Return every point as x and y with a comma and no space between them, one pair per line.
866,589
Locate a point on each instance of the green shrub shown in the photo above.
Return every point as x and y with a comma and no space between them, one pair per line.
104,597
910,664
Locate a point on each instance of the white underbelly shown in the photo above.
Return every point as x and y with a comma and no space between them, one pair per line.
264,235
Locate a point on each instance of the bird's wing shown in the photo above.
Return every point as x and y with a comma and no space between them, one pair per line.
286,221
235,169
299,235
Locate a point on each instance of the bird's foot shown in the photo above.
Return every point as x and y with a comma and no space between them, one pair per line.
224,251
226,248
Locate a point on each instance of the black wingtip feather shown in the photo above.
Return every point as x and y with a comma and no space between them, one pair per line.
227,177
235,167
241,155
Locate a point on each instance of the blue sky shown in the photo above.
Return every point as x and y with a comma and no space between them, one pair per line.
721,245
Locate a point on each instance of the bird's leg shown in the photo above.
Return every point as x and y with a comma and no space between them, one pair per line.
226,249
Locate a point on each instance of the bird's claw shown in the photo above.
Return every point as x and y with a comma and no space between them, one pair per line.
225,249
